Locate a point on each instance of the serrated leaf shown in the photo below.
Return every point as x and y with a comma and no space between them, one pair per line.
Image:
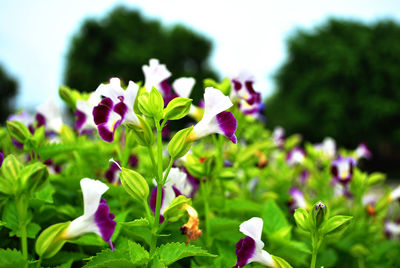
12,258
137,222
273,217
10,217
137,253
172,252
109,259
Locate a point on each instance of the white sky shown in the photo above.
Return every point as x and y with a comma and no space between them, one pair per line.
248,35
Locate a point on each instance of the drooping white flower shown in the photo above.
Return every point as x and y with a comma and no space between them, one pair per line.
49,115
250,248
154,74
96,216
215,118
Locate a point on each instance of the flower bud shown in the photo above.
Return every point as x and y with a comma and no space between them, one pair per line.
143,133
180,144
177,108
18,131
50,241
69,96
151,104
134,184
175,210
33,177
319,213
10,170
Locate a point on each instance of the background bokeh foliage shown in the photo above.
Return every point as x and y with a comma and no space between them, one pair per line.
341,79
123,41
8,90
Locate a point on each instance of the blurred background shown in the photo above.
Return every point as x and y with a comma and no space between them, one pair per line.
324,68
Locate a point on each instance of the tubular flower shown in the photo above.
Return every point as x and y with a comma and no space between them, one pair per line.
243,91
116,108
215,118
392,229
84,112
155,74
175,185
327,147
362,151
295,156
250,248
49,115
191,228
96,217
342,169
296,200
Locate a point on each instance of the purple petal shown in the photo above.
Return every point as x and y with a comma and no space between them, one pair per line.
227,123
121,109
1,158
17,144
40,119
245,249
105,221
193,181
80,120
102,111
236,85
153,198
176,191
112,173
133,160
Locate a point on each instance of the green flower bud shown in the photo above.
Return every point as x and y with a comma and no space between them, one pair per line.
50,241
18,131
134,184
10,170
176,210
151,104
180,143
143,133
177,108
33,177
69,96
319,213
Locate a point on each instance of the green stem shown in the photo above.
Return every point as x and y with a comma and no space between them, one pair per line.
39,262
204,193
153,161
21,205
156,224
171,162
316,242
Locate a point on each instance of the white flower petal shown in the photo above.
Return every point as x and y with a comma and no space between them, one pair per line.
263,257
111,90
169,195
52,114
395,194
154,74
183,86
214,102
92,191
252,228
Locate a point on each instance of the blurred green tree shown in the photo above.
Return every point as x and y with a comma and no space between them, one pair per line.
123,41
8,90
342,80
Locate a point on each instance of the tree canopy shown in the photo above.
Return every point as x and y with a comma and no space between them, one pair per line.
8,90
123,41
342,80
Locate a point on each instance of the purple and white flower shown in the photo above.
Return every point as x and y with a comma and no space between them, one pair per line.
250,248
327,147
342,169
295,156
155,74
215,118
49,115
116,108
392,229
84,112
362,151
113,172
296,200
96,217
278,136
249,100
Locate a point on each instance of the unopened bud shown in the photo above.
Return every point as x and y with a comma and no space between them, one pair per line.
319,213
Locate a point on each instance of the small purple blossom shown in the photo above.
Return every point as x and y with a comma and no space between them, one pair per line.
295,156
342,169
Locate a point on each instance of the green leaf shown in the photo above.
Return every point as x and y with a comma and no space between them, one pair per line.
12,258
334,224
138,255
31,230
280,263
137,222
273,217
303,219
10,217
110,259
172,252
46,194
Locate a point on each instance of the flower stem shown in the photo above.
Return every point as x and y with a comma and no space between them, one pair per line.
171,162
204,193
316,242
156,223
21,205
